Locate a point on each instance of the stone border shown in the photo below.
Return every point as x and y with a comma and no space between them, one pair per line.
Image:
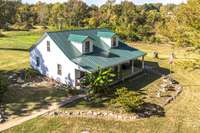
108,115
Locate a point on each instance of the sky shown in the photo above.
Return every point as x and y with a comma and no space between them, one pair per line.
100,2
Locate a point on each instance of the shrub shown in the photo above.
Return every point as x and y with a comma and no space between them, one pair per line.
98,82
29,74
3,86
23,26
129,101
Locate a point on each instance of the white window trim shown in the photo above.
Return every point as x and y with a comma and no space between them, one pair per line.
48,45
59,72
88,45
116,41
37,61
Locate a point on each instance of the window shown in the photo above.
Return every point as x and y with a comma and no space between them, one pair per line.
114,41
37,61
87,46
59,69
48,46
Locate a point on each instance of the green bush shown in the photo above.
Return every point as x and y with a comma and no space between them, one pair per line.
3,86
129,101
30,73
98,82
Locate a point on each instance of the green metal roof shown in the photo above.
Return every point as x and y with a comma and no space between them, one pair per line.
103,56
77,38
107,34
93,61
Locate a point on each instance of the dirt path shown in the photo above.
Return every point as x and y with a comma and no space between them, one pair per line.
37,113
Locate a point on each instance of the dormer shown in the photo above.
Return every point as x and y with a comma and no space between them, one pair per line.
83,43
110,38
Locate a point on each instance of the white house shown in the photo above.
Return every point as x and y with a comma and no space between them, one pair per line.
66,55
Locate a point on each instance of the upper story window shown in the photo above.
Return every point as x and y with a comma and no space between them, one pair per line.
48,46
37,61
59,69
87,46
114,42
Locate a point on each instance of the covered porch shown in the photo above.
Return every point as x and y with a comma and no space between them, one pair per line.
122,71
128,68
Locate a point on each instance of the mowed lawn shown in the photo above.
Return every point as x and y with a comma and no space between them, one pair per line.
181,116
14,49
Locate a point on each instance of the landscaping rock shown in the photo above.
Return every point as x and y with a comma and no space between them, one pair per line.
99,113
105,114
85,132
25,85
90,112
95,114
70,113
19,80
55,113
1,118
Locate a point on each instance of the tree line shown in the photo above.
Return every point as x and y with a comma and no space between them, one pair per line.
177,24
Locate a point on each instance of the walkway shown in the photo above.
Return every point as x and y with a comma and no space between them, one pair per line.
20,120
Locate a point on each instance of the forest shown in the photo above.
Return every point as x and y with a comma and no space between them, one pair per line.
155,23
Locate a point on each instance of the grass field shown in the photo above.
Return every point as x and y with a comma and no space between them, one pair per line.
181,116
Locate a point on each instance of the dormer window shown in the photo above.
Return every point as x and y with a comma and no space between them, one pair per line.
109,38
83,43
87,46
114,42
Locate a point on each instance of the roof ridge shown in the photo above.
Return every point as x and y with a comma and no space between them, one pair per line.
77,30
78,34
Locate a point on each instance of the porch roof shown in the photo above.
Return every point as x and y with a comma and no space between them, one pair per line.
103,59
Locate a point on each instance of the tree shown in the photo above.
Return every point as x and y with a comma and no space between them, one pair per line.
41,12
181,23
76,12
7,12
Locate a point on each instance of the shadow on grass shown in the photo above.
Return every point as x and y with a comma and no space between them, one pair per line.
20,100
150,109
138,82
93,103
15,49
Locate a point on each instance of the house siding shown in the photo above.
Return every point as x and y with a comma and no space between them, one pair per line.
78,45
49,61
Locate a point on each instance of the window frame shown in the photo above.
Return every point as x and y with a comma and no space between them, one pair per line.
59,69
48,46
114,41
37,61
87,49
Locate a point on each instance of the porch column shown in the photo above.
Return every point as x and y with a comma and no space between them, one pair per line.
132,66
142,62
118,71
